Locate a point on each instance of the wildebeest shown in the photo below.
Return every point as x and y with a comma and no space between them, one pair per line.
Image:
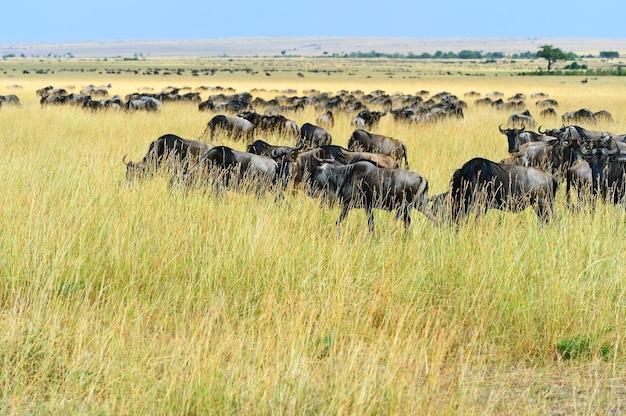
555,155
170,148
548,112
233,127
603,115
231,103
271,123
522,119
143,103
547,103
313,136
364,141
481,184
262,148
516,137
245,169
367,119
326,120
607,168
363,185
10,99
582,115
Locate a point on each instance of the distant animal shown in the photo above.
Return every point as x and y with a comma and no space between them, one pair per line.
547,103
143,103
582,115
363,185
326,120
10,99
364,141
178,152
548,112
367,119
603,115
481,184
522,119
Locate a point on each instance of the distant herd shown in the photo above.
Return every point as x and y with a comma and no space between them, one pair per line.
373,171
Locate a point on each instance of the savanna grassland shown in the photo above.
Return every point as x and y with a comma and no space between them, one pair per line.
143,299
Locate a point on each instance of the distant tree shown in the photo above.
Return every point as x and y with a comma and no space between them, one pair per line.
609,54
466,54
551,54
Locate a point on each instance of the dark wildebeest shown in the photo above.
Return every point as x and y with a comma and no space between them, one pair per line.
229,164
364,141
297,167
367,119
234,127
262,148
516,137
363,185
181,153
482,184
607,168
313,136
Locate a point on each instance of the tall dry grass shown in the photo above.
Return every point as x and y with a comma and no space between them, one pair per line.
141,299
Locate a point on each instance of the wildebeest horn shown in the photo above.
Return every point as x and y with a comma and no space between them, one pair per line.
541,132
129,163
612,148
586,148
500,128
316,157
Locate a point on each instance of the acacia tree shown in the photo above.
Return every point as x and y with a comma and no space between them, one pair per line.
551,54
609,55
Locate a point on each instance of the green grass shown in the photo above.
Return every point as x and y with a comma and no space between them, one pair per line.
141,299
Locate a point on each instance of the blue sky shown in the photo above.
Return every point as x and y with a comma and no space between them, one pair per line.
71,20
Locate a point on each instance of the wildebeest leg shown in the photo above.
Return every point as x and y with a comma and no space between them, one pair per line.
544,210
344,213
370,219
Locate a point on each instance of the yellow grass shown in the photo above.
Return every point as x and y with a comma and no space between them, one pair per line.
142,299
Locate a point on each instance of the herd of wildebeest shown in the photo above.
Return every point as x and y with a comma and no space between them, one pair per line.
373,171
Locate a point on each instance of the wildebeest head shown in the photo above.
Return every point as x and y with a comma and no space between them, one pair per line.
135,170
598,153
511,136
324,180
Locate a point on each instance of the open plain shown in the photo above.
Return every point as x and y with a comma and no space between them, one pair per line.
140,298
